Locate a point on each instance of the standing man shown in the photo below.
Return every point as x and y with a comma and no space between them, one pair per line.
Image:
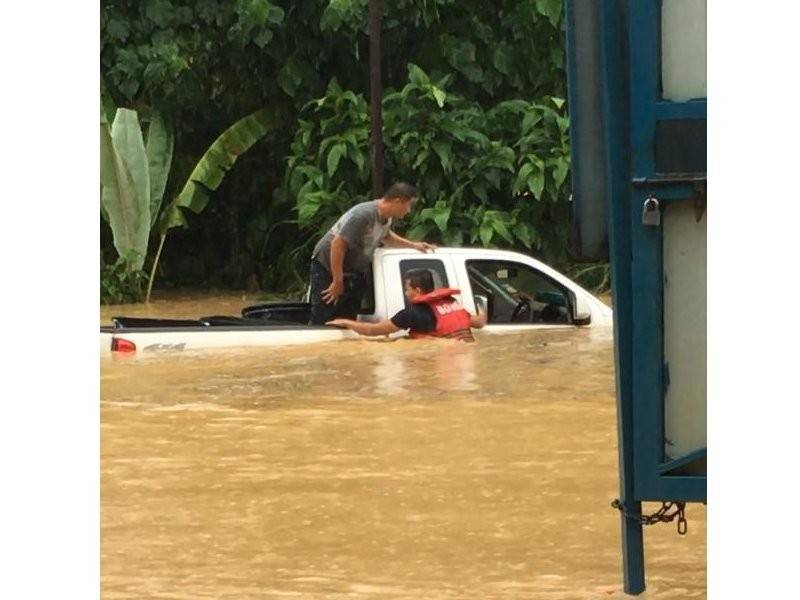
344,254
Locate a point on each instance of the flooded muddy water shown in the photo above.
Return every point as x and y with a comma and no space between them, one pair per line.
372,469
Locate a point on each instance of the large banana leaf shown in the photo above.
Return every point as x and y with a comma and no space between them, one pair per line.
125,179
215,163
160,144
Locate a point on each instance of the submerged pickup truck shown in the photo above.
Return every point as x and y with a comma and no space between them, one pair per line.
516,291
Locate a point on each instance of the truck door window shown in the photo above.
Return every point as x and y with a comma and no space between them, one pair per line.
436,268
518,293
368,299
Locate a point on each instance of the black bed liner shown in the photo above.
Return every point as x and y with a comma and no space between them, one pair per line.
211,322
292,312
132,322
270,314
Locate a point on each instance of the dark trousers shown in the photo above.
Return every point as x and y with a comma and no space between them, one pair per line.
346,306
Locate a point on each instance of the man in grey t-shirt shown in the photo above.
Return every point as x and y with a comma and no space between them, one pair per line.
344,254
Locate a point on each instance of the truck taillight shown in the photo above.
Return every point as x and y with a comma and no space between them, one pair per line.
122,345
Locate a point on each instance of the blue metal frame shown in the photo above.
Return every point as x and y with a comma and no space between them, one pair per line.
646,108
651,482
644,83
631,106
693,109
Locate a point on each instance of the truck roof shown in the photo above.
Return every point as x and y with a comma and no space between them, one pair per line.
451,250
477,253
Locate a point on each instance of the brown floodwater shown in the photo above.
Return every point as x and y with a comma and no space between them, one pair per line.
371,469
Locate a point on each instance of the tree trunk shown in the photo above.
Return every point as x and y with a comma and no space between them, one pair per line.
376,98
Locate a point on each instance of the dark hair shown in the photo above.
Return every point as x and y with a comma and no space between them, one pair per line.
420,278
401,190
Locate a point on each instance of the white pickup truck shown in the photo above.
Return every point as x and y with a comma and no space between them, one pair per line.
516,291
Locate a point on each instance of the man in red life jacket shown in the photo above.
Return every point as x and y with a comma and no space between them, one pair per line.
432,313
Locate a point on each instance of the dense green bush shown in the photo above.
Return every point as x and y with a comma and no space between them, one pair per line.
492,176
120,285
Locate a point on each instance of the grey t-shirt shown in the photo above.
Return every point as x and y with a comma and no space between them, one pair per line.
362,228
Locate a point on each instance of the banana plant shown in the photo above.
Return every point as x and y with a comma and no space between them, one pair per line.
209,172
133,177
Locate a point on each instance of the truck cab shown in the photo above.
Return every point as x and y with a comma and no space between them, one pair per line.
516,291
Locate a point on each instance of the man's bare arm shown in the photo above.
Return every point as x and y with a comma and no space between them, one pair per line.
384,327
336,288
397,241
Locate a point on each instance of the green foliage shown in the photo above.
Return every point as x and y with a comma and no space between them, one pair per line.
204,63
595,277
254,23
107,108
163,52
120,285
494,177
340,14
494,50
329,160
160,145
133,178
215,163
125,180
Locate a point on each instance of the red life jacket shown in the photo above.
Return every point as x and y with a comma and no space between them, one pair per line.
452,321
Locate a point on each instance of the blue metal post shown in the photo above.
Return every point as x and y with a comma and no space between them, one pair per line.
615,106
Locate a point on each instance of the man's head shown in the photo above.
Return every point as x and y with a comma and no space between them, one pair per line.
399,199
417,282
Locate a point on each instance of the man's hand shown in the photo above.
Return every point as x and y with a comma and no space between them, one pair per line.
425,247
477,321
331,293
